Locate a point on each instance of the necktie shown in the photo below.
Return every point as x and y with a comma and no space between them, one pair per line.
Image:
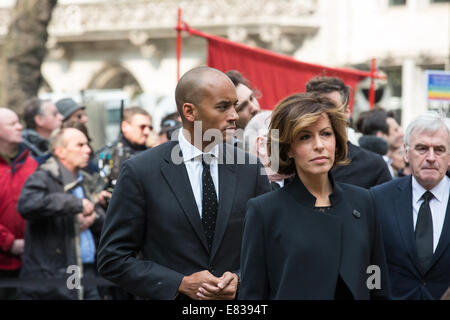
209,204
424,232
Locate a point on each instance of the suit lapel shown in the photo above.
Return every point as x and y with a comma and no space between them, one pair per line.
444,240
403,212
178,180
227,185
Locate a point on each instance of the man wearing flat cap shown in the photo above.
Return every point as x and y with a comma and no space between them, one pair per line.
71,110
75,117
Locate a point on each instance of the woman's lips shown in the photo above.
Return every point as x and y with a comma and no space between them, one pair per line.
320,160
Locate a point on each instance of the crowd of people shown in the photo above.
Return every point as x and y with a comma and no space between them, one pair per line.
231,203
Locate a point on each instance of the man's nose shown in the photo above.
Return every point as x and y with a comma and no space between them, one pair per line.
431,156
253,108
87,149
233,115
146,130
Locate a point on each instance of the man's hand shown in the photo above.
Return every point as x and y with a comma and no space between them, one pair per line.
88,207
190,284
225,290
18,247
86,221
103,197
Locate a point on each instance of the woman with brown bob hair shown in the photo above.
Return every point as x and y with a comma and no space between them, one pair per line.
315,238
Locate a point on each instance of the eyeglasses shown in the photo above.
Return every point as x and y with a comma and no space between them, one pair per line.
170,123
143,126
80,115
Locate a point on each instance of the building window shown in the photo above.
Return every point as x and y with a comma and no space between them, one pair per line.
397,2
394,76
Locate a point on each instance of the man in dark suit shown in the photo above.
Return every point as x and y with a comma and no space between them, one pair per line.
182,204
366,169
414,213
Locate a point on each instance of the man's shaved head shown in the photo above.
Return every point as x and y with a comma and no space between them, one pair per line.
207,96
193,86
5,112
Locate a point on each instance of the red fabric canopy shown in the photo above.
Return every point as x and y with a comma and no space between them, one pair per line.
275,75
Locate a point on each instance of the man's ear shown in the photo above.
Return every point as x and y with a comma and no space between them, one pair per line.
124,126
382,135
189,111
405,154
59,152
38,119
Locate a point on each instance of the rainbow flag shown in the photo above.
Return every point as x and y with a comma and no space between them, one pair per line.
438,85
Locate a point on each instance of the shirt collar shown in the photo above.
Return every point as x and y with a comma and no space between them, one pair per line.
190,151
66,175
387,159
440,191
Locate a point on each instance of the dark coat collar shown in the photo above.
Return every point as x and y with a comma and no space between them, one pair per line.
35,139
174,155
134,147
300,193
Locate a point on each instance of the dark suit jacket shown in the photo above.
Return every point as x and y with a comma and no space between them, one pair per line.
393,202
366,168
153,210
292,251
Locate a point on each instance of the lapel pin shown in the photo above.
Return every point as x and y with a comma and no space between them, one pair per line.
356,214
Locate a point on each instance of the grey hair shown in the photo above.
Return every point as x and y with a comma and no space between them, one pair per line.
258,126
57,139
430,122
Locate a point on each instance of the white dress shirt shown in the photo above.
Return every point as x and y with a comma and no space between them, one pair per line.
438,205
389,165
352,136
280,183
192,158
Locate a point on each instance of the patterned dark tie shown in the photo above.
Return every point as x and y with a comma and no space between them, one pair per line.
424,232
209,204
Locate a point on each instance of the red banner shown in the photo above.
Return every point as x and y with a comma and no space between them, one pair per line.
274,75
